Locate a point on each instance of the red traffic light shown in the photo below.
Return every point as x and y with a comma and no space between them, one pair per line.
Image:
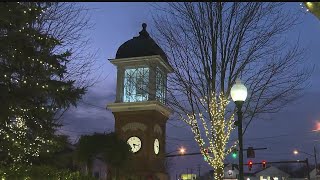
264,164
250,163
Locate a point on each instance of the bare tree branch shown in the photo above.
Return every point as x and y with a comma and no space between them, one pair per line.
211,44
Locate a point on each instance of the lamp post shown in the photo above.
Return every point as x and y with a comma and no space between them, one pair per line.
239,94
314,155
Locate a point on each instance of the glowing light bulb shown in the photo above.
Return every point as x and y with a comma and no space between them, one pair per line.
182,150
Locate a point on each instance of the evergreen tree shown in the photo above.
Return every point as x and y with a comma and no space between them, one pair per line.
32,88
107,147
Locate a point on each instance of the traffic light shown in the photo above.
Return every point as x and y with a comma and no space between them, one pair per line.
234,153
250,163
264,164
250,152
205,158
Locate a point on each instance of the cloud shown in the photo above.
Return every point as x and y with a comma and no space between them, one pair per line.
90,115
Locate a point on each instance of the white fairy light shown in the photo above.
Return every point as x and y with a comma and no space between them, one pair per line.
217,132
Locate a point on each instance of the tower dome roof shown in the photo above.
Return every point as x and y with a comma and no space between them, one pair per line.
142,45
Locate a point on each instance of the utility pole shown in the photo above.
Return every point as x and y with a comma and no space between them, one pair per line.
315,158
308,168
199,170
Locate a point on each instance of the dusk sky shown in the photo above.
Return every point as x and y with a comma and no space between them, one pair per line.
281,133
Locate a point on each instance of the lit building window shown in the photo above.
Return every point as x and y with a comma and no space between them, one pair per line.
160,85
261,178
136,84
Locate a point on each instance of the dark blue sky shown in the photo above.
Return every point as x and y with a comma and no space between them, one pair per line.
291,128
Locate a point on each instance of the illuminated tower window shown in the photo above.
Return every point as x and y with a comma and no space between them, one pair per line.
160,85
136,84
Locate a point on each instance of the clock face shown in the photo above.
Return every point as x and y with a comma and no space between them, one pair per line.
135,144
156,146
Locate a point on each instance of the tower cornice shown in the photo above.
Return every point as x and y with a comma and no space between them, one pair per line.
140,106
134,61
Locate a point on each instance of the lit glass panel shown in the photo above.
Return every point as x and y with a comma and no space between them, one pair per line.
136,84
160,85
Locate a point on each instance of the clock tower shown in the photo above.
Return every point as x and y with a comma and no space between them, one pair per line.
140,109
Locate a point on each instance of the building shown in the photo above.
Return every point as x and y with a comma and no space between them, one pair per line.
272,173
188,176
231,172
140,109
100,169
314,175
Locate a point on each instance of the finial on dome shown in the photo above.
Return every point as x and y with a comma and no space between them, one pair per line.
144,26
144,32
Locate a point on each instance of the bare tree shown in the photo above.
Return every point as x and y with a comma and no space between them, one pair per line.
70,23
211,44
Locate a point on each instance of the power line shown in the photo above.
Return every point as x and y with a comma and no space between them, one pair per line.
277,136
99,107
252,139
178,139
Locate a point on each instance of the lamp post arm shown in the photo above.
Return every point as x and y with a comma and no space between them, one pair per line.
307,153
170,152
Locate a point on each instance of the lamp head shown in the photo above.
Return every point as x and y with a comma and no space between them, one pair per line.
182,150
239,91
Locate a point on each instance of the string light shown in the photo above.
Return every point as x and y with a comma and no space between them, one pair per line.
217,132
15,131
313,7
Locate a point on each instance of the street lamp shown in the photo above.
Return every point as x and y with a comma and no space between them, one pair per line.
314,155
239,94
181,151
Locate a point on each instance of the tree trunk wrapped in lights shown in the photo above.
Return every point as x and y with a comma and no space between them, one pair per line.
217,128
